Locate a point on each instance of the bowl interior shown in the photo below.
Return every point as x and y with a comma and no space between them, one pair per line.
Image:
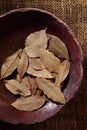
15,26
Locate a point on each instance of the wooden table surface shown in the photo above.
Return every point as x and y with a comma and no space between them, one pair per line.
74,12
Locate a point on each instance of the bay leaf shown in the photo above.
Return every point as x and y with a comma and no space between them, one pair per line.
26,82
22,64
50,90
35,63
12,89
10,65
49,60
17,88
62,72
18,78
58,47
29,103
33,85
44,73
35,41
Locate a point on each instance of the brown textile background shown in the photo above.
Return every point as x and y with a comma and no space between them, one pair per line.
74,12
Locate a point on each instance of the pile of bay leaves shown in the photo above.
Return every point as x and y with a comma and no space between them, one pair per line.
42,66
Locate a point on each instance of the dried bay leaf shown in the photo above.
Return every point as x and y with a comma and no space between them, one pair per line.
31,80
29,103
22,64
33,85
62,72
49,60
57,47
26,82
44,73
17,88
35,63
43,67
10,65
50,90
18,78
13,89
35,41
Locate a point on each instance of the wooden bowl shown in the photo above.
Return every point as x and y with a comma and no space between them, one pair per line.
15,26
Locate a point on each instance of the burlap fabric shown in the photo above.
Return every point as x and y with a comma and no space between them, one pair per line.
74,12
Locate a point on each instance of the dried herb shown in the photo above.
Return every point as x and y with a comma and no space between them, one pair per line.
63,71
35,41
22,64
26,82
33,85
44,73
48,59
17,88
10,64
50,90
57,47
35,63
29,103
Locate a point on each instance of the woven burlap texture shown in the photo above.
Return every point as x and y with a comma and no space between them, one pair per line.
74,14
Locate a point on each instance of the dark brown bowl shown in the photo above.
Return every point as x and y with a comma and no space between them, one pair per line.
14,27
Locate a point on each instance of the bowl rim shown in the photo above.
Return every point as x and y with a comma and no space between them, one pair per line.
21,10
